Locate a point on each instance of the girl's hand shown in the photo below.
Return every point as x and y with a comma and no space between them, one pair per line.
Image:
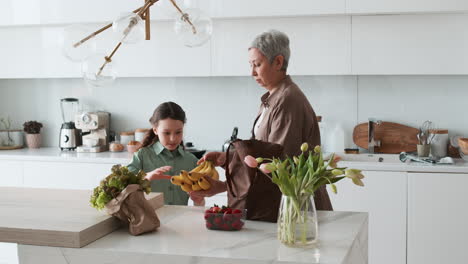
218,158
158,173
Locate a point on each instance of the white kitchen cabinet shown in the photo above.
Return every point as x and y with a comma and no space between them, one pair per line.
405,6
33,12
384,198
37,54
64,175
319,45
249,8
49,12
410,44
11,173
437,218
163,55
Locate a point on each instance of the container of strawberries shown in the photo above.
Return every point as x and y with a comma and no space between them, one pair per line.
224,218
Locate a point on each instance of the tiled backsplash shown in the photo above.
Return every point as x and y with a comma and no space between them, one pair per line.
215,105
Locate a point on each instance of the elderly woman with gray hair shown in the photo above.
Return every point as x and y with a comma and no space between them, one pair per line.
285,116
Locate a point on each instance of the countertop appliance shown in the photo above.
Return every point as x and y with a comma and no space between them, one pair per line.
69,135
95,128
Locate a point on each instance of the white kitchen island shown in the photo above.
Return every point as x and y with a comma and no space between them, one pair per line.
183,238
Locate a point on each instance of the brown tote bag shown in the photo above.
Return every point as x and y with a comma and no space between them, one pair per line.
248,188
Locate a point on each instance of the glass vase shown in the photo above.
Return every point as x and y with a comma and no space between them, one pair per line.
297,221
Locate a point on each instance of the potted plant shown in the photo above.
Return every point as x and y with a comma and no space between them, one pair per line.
33,134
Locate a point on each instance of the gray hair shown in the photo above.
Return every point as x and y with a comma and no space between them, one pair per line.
271,44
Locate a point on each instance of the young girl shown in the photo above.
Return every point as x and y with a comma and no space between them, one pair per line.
162,154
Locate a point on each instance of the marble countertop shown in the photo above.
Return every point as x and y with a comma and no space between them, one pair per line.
391,162
55,154
183,238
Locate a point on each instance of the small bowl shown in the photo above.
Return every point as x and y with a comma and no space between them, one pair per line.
116,147
225,221
463,143
133,148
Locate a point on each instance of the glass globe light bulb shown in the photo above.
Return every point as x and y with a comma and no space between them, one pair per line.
97,72
193,28
130,28
71,48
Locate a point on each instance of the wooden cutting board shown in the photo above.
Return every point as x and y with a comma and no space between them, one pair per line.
394,138
54,217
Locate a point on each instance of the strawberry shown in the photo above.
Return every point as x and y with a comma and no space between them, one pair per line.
227,216
225,226
236,211
218,220
208,216
209,225
237,225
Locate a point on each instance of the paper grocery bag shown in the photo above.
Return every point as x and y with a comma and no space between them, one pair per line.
132,208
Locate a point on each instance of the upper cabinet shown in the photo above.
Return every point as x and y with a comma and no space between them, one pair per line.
319,45
404,6
259,8
46,12
328,37
410,44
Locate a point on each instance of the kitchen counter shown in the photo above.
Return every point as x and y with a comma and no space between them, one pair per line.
390,162
55,154
183,238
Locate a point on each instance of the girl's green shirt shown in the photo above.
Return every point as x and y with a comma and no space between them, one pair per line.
155,156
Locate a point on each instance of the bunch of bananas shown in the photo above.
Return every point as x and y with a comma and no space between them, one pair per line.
193,180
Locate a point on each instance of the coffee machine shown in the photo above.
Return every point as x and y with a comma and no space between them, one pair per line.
95,128
69,135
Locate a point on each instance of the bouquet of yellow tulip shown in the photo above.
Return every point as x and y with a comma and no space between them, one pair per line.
298,178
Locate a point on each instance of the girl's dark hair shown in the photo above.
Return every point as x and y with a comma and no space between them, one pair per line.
165,110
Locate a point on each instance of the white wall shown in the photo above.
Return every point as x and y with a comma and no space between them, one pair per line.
215,105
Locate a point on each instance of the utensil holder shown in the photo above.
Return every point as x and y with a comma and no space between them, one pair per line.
423,150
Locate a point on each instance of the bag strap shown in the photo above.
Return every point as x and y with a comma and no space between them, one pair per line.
228,173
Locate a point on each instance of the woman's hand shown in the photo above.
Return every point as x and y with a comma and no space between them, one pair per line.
158,173
197,200
216,187
218,158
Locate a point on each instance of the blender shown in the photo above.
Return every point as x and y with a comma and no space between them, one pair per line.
69,135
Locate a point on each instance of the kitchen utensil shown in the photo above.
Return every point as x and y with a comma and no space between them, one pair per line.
394,138
405,157
68,133
423,150
424,135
